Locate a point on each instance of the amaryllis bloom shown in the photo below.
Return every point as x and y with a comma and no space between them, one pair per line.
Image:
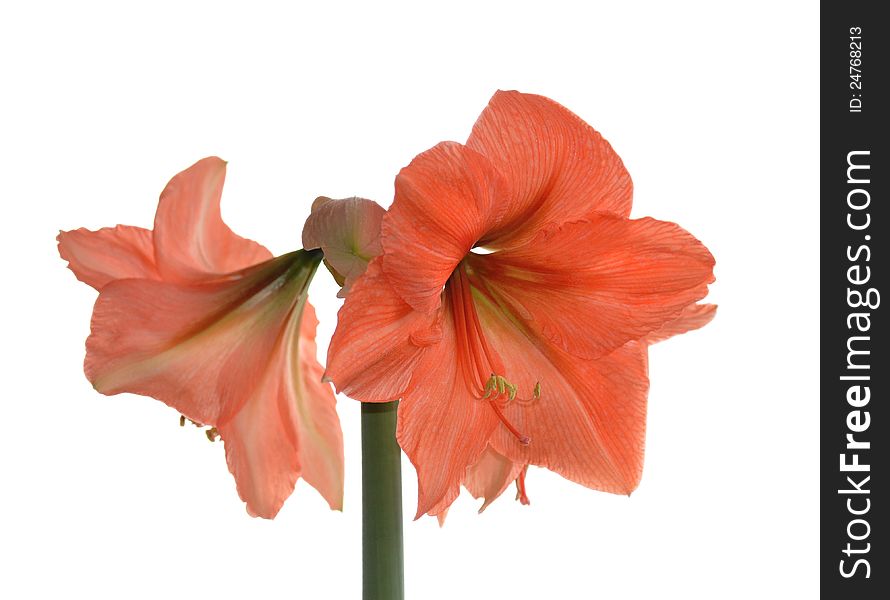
211,324
512,307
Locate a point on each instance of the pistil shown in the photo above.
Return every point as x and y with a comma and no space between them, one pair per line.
523,439
520,487
480,359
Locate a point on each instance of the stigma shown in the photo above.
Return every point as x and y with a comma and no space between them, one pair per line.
520,487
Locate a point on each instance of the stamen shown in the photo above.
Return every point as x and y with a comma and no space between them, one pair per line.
478,356
490,385
212,434
500,383
520,487
183,419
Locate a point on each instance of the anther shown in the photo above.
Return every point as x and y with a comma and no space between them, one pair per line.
500,383
212,434
490,385
537,393
183,419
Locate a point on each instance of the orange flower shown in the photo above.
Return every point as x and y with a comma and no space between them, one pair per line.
536,351
212,325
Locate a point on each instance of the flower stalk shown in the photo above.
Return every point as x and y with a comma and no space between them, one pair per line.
382,553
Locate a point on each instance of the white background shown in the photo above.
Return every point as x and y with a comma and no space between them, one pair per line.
714,110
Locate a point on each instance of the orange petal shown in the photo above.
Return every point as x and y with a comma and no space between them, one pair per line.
442,426
445,200
588,422
694,316
318,426
225,353
379,340
348,232
591,286
190,238
490,476
99,257
288,424
558,167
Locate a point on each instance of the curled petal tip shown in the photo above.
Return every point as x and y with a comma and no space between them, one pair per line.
319,202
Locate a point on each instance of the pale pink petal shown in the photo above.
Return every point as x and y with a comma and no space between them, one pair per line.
227,352
262,447
196,346
318,426
287,428
440,517
191,241
99,257
348,232
490,476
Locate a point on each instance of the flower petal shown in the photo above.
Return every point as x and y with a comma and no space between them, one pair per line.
289,424
318,425
694,316
445,200
441,426
175,342
262,444
348,232
588,422
99,257
190,238
559,168
591,286
379,340
224,353
490,476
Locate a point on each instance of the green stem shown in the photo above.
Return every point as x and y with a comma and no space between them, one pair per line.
383,570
